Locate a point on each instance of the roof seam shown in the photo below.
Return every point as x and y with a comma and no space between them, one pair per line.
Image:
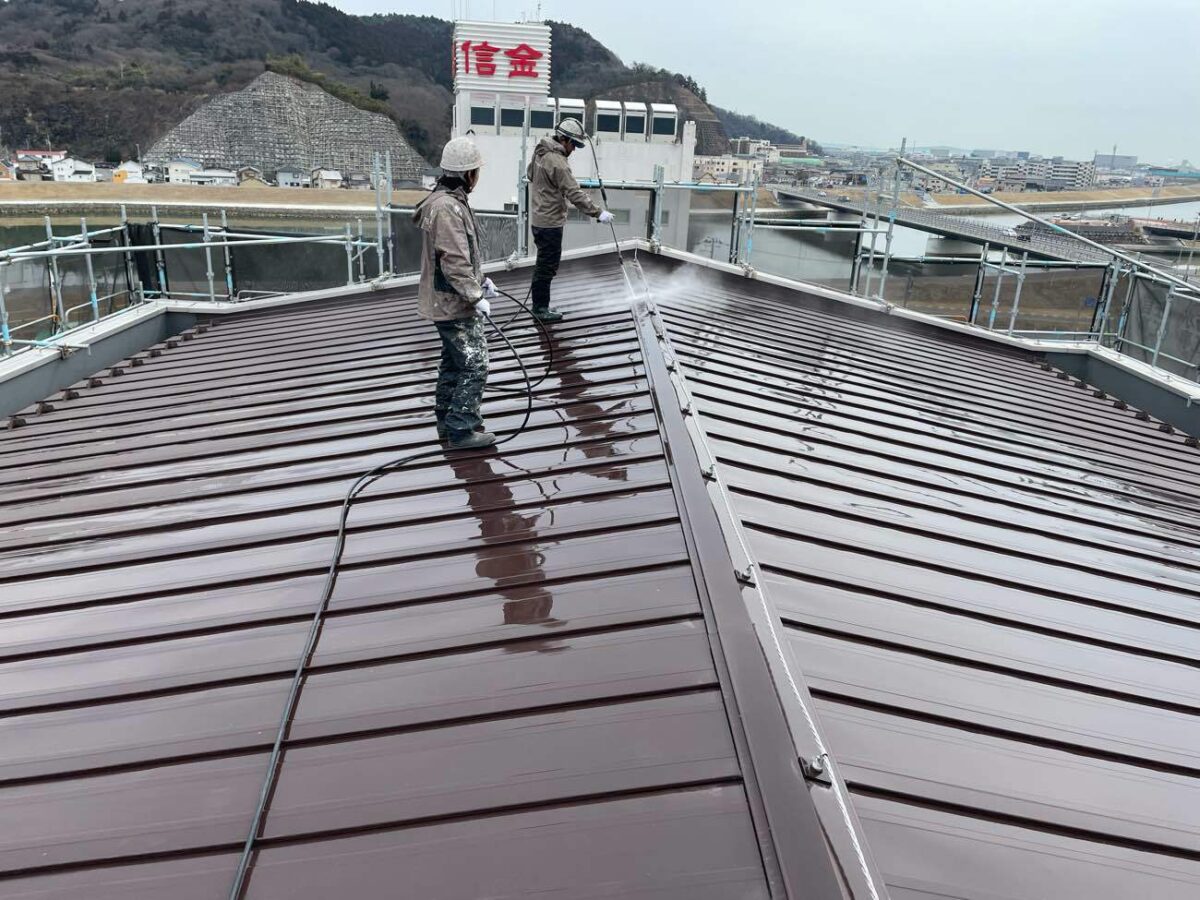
869,878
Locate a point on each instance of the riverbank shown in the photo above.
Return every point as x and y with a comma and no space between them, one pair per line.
49,198
966,204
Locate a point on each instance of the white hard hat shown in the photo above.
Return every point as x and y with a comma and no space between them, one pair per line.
461,155
572,130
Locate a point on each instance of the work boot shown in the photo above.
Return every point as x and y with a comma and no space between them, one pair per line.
472,440
547,315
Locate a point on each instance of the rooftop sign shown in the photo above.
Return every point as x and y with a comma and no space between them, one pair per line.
495,56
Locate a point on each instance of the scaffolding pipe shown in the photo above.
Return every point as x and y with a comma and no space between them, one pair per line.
388,182
5,336
753,215
254,242
349,256
228,258
377,176
91,276
208,265
1162,326
996,294
1012,319
362,254
887,244
159,259
56,297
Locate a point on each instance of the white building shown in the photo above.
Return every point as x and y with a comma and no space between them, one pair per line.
293,178
68,168
1072,174
739,169
326,179
213,178
179,171
502,101
129,172
623,152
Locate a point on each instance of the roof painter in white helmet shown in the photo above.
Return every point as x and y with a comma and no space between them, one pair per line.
454,295
552,186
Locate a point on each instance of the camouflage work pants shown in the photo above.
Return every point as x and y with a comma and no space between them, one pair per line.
461,375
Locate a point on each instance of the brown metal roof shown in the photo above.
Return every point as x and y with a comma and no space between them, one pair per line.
541,674
523,687
989,578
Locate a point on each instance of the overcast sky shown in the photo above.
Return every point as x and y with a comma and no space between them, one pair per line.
1051,76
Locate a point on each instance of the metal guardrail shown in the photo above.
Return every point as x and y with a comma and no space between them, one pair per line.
371,256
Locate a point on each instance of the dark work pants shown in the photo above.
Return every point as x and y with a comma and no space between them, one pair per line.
461,375
549,254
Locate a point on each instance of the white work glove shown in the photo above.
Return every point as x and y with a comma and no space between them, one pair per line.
489,289
483,307
605,217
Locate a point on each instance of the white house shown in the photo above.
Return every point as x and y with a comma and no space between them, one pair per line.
213,177
70,169
179,171
292,177
326,178
129,172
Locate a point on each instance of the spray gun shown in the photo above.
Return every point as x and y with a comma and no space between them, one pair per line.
616,243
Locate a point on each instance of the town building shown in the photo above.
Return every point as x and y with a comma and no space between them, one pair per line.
326,179
129,172
1071,175
180,169
8,170
1114,161
213,178
293,177
503,102
68,168
737,169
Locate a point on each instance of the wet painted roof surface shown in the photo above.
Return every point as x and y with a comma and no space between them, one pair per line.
514,694
989,577
533,680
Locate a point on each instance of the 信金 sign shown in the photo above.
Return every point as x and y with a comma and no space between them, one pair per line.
490,56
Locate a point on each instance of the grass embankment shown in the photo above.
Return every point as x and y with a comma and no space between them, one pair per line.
59,197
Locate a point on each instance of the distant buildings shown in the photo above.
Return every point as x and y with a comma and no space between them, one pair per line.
739,169
1037,174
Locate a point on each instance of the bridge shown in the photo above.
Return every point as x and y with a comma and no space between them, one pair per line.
1038,246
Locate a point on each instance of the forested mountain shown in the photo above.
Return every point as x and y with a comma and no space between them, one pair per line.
101,76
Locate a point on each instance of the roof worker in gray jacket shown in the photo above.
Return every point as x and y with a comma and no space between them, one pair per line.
454,295
551,185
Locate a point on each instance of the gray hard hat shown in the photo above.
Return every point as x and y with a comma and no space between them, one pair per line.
572,130
461,155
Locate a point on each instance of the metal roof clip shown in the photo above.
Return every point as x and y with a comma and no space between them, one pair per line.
709,472
745,576
817,769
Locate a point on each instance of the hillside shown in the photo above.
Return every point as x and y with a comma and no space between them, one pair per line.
276,121
102,76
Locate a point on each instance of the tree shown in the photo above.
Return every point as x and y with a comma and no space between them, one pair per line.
378,92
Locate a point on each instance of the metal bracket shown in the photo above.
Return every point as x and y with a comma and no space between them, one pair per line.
817,769
709,473
745,576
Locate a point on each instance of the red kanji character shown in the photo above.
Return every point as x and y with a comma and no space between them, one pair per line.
485,55
523,61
